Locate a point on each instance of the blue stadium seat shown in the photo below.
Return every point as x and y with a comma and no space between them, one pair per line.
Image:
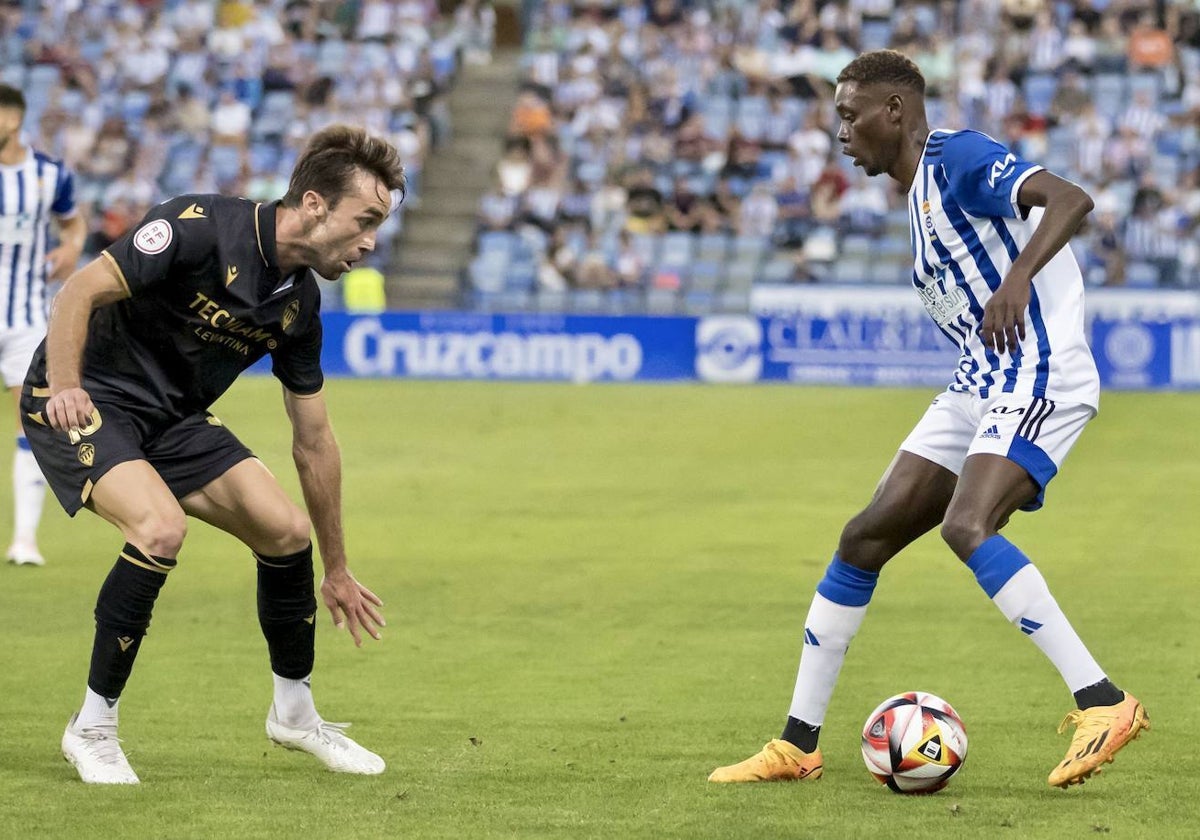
875,35
778,269
699,302
1141,275
550,300
741,274
1108,93
678,249
586,300
748,247
662,301
712,246
705,275
1039,90
1145,82
487,272
497,242
521,275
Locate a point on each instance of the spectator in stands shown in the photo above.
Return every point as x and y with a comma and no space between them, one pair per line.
230,120
794,213
811,145
644,204
1071,97
1079,47
863,207
629,264
726,208
759,213
1152,234
608,207
111,154
1142,116
531,117
1106,251
685,210
515,170
497,210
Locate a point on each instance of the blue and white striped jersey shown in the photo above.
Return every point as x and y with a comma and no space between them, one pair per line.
30,192
966,230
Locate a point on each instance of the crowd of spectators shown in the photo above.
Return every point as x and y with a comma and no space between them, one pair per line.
683,150
146,99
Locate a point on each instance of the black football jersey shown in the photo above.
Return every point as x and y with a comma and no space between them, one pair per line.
207,300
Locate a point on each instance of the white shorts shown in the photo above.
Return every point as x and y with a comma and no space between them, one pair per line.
16,352
1033,432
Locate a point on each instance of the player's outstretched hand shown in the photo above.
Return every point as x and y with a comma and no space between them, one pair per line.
60,262
352,606
69,409
1003,325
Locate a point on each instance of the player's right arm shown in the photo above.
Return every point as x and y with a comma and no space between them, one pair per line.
96,284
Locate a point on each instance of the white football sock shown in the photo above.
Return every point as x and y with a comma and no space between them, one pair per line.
827,634
96,711
29,491
294,705
1026,601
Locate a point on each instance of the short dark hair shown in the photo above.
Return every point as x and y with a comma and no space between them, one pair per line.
333,155
10,97
884,67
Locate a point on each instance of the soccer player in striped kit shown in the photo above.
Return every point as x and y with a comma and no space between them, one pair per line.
34,189
989,233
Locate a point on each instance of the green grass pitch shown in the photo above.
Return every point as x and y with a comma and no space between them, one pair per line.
595,595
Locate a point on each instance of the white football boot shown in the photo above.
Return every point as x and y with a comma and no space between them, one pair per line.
328,742
96,753
25,554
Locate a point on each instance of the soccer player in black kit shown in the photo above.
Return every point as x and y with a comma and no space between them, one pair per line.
140,343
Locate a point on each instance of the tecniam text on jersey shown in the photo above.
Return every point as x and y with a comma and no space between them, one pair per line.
372,350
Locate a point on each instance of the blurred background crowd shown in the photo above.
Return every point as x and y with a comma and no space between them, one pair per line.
656,146
668,144
146,100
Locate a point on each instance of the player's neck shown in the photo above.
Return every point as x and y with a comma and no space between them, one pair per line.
291,249
12,152
905,167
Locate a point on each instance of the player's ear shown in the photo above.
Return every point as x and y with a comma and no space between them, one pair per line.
895,107
314,204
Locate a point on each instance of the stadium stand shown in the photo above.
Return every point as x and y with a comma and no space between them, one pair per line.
150,99
657,155
702,132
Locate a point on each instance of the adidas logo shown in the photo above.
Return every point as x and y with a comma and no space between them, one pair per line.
1029,627
992,431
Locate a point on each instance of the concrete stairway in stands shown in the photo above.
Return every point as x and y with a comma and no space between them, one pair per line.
436,242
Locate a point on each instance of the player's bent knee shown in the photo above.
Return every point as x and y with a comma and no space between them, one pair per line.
159,534
289,534
963,534
860,546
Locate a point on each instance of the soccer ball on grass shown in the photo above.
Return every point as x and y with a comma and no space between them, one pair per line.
914,742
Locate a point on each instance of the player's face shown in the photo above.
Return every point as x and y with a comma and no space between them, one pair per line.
343,235
10,124
869,126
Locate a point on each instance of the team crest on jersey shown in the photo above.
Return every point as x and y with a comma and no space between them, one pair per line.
927,212
289,315
87,454
153,237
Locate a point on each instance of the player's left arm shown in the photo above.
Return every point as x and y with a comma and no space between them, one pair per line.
61,261
1066,205
72,228
319,465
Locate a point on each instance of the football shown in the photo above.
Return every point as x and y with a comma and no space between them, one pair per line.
914,742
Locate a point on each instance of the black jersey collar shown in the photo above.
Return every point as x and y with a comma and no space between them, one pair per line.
264,231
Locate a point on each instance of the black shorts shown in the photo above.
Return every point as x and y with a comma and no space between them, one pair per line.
187,454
